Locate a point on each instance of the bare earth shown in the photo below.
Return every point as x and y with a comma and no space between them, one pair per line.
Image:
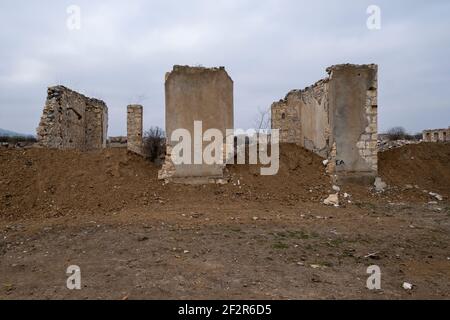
255,238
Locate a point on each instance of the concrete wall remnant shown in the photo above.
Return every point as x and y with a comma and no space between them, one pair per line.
436,135
196,94
135,129
72,121
335,118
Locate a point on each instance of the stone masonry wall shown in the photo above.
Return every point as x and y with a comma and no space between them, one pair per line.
72,121
368,143
335,118
302,117
134,128
287,119
96,126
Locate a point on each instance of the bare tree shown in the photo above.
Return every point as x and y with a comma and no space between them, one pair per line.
262,120
398,133
154,144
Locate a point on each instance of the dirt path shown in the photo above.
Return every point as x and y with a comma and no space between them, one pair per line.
231,253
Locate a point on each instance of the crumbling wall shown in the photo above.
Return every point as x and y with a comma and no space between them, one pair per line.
302,117
335,118
436,135
72,121
135,129
286,118
96,126
196,94
353,101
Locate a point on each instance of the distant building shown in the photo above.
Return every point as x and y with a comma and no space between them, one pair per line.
436,135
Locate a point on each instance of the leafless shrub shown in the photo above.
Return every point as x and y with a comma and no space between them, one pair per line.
263,121
154,144
398,133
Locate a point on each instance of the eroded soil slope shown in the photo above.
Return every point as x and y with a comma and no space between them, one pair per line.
39,182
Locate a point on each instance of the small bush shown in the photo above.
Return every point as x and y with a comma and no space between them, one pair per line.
154,144
397,133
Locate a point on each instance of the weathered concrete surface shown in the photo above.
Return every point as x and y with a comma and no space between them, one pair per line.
335,118
353,115
436,135
135,129
302,117
72,121
196,94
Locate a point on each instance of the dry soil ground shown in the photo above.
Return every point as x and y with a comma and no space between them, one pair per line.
257,237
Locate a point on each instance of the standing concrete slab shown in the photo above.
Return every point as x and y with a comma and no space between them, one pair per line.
335,118
72,121
353,99
196,94
135,128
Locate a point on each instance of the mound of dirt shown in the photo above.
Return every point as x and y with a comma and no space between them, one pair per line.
53,183
42,182
425,165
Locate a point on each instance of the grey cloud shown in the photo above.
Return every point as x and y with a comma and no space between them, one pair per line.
124,49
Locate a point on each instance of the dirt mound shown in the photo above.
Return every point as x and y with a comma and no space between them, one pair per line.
425,165
259,236
41,182
49,183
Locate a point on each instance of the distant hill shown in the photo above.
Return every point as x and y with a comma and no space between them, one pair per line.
7,133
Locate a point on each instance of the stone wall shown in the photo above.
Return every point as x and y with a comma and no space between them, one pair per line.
302,117
353,114
134,129
286,117
436,135
96,126
335,118
72,121
196,94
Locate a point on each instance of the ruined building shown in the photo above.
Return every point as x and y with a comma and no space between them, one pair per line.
196,94
436,135
72,121
335,118
134,129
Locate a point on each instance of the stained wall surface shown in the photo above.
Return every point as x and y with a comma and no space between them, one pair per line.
335,118
353,114
302,117
197,94
72,121
135,128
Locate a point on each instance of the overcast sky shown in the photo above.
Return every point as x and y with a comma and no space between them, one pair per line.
124,48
